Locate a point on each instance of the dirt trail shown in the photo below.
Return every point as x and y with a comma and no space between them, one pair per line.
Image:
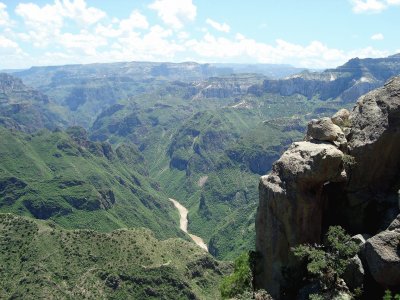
183,222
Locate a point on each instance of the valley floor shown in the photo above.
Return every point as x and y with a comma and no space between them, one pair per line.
183,224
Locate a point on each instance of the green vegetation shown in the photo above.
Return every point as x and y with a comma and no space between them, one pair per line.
240,281
389,296
39,260
80,184
326,263
203,143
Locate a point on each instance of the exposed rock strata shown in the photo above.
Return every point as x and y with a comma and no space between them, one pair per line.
315,184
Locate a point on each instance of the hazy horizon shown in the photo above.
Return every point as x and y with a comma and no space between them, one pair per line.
306,34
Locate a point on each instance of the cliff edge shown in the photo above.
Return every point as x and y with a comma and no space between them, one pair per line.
347,173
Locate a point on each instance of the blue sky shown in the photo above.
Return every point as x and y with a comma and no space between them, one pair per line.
307,33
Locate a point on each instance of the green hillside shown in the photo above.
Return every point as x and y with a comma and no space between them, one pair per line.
38,260
208,153
80,184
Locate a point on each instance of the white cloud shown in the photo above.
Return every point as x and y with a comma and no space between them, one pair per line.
175,12
377,37
183,35
54,14
39,18
372,6
83,41
4,17
242,49
218,26
44,24
78,11
135,21
8,46
157,44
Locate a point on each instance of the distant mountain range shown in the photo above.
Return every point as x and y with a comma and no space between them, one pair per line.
346,83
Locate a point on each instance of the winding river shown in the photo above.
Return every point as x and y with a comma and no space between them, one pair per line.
183,224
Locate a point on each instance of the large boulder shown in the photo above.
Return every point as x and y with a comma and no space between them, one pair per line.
382,253
341,118
325,130
291,207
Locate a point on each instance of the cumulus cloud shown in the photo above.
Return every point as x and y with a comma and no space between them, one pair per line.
157,44
218,26
8,46
54,14
44,23
135,21
4,17
175,12
242,49
377,37
84,41
372,6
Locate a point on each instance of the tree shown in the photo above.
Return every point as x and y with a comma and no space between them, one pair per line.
240,281
327,262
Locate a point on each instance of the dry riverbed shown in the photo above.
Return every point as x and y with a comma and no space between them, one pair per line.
183,224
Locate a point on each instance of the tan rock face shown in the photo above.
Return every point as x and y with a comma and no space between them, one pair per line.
341,118
291,206
325,130
303,187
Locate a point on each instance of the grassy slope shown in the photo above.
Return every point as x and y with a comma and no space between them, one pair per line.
38,260
50,175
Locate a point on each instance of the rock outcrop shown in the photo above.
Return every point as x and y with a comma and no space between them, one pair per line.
346,173
382,253
291,205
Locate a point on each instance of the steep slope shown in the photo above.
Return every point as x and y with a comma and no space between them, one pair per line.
346,173
80,184
38,260
24,108
207,151
347,82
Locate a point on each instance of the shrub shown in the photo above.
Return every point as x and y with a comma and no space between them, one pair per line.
240,281
327,262
388,296
348,160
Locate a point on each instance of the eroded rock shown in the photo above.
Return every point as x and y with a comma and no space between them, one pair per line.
382,253
325,130
291,207
341,118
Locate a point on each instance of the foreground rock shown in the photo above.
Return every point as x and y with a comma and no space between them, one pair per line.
382,252
291,207
315,185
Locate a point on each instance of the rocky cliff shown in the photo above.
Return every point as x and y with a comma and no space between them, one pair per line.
347,82
346,173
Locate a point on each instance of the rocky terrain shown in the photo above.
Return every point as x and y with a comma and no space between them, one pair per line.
346,173
347,82
24,108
